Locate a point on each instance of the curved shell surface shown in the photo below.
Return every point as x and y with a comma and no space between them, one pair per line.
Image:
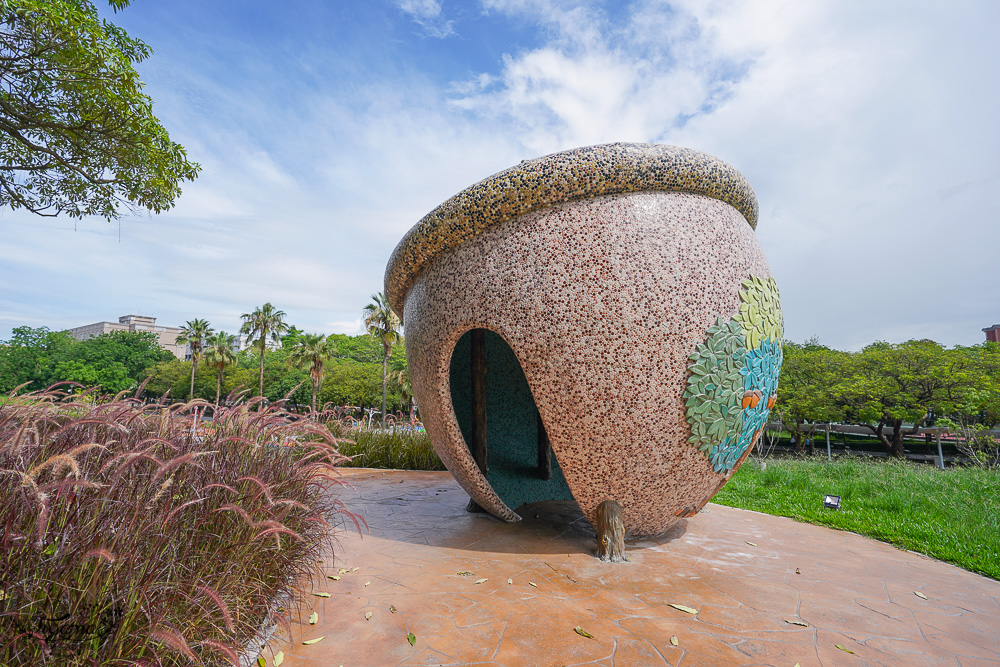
603,301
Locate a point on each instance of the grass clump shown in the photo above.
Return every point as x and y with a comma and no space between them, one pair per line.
125,538
395,449
952,515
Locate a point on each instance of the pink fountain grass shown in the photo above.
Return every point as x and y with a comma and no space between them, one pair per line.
128,537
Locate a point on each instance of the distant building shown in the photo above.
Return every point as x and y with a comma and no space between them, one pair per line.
244,341
993,333
165,336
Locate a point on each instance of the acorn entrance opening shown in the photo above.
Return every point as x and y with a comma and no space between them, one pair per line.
498,410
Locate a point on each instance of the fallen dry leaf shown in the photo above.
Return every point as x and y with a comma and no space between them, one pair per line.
368,583
463,573
368,616
343,571
313,617
794,622
412,638
310,642
481,581
845,650
753,544
673,640
261,662
583,633
279,658
319,562
509,580
797,571
688,610
533,584
322,595
333,576
355,569
392,609
919,594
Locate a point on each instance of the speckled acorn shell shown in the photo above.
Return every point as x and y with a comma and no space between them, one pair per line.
601,269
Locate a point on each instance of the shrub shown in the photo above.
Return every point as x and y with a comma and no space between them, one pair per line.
394,449
130,537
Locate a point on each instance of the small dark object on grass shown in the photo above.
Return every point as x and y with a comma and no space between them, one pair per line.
610,532
832,502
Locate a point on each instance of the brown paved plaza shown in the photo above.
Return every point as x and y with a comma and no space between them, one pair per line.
766,591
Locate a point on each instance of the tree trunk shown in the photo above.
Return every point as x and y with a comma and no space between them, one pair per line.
194,369
893,447
610,532
800,445
260,385
896,448
218,387
314,398
385,360
478,369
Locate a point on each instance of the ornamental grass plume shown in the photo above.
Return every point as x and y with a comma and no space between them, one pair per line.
129,537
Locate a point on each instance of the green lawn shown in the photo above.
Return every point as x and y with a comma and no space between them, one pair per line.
952,515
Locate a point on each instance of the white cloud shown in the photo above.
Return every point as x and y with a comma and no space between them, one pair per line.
425,9
349,327
863,129
868,132
427,14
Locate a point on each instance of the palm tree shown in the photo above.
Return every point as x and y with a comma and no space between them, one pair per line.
383,324
218,355
313,350
263,323
194,334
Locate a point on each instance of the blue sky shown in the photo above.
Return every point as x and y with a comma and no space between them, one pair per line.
327,129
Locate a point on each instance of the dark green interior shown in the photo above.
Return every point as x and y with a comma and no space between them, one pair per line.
511,424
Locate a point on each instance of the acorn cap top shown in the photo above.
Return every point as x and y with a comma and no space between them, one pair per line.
579,173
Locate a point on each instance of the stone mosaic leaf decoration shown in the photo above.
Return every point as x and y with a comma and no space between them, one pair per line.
760,312
734,376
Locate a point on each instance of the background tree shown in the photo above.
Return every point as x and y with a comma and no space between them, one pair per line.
291,338
77,134
110,376
266,322
31,356
364,349
809,371
383,325
219,354
889,385
116,361
349,382
983,403
400,376
167,378
312,351
194,333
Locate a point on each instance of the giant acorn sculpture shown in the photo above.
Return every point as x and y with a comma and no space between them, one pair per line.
600,324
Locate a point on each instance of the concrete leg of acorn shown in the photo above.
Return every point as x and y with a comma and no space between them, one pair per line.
610,532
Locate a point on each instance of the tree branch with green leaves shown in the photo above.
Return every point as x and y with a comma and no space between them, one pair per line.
77,134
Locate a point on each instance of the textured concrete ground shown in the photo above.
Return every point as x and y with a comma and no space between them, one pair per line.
765,591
